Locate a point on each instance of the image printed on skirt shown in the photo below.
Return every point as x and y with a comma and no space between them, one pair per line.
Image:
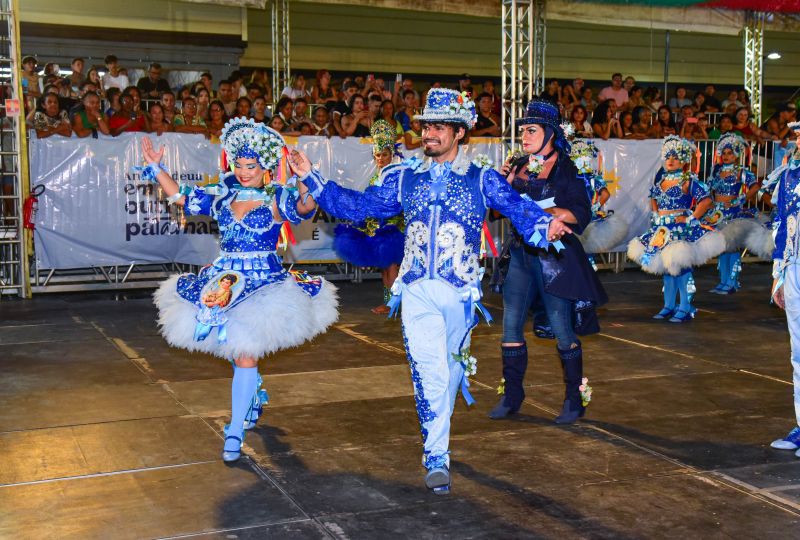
217,296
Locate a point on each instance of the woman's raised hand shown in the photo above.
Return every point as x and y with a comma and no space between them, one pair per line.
150,154
299,163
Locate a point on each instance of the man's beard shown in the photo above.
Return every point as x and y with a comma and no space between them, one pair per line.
430,152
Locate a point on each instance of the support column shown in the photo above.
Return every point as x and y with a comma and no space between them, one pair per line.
754,60
280,47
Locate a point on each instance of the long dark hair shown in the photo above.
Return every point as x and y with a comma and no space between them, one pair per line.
600,115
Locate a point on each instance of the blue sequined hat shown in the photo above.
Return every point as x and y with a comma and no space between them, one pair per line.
450,107
246,138
731,141
540,112
679,148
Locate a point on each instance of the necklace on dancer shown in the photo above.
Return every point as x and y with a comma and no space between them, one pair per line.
252,194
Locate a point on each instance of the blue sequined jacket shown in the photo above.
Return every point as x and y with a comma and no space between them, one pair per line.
786,199
444,207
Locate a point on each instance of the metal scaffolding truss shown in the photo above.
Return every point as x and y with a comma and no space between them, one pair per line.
13,166
280,47
522,62
754,60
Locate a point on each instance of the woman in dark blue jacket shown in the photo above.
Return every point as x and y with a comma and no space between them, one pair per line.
563,281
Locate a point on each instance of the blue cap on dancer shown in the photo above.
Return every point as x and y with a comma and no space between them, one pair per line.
678,148
547,115
449,107
246,138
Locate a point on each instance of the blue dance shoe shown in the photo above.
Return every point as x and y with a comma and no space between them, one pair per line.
438,480
682,316
719,289
543,332
790,442
665,313
232,451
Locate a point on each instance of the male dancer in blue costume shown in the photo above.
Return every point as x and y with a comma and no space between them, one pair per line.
786,273
444,200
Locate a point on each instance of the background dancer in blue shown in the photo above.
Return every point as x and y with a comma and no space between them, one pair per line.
375,242
444,201
732,186
560,282
677,240
244,305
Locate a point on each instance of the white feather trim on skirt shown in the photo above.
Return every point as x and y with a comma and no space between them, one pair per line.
736,232
678,255
604,235
277,316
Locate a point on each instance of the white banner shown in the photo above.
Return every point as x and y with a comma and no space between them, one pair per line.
95,211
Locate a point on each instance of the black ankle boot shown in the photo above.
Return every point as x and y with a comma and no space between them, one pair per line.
515,362
572,365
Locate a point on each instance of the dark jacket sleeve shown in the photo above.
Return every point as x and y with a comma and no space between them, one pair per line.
571,194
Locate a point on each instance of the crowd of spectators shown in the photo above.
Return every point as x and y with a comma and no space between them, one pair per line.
87,104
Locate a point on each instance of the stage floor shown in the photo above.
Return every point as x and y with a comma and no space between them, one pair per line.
106,432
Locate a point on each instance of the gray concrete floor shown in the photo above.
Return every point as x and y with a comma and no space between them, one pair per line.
106,432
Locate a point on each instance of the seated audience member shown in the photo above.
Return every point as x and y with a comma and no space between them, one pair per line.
733,99
552,92
413,136
699,102
114,77
643,127
665,123
228,96
387,114
253,91
653,99
374,106
51,119
203,98
296,88
409,109
305,129
571,94
580,123
587,99
76,78
488,123
711,102
636,98
278,124
238,87
349,89
189,121
322,125
30,79
259,80
680,100
260,110
604,125
112,96
625,125
695,128
323,93
127,118
90,119
285,109
497,101
299,112
358,122
93,77
244,107
168,105
153,85
748,128
208,83
725,125
158,122
615,92
216,120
